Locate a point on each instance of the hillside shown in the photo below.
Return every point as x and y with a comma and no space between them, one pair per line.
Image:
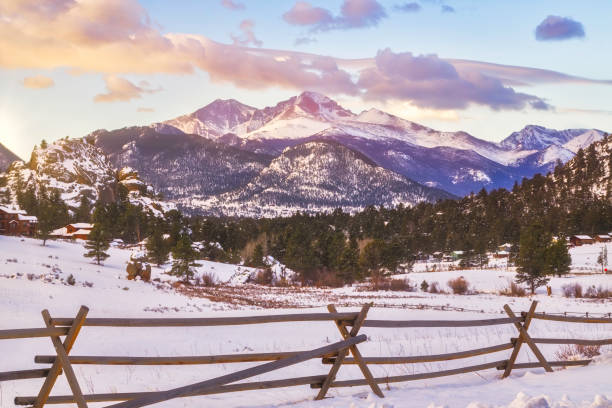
180,166
6,157
79,171
319,176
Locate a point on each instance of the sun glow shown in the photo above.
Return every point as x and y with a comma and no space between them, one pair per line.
10,132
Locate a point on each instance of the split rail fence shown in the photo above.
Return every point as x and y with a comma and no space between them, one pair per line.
348,324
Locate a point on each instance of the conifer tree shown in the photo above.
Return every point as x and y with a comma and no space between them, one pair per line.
83,213
531,261
97,244
45,215
258,255
157,246
558,257
184,257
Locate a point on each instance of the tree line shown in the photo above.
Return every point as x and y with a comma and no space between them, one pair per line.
338,247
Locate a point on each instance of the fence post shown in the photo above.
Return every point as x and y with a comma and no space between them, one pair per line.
524,338
354,351
62,361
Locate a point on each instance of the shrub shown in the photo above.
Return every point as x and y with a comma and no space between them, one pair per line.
513,289
263,277
434,287
424,286
208,279
395,285
70,280
598,292
328,279
400,285
459,286
572,290
577,351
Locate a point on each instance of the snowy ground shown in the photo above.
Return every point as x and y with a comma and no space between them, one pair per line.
33,278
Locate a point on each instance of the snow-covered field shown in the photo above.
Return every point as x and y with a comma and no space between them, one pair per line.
33,278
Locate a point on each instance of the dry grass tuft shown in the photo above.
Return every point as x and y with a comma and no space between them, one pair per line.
459,286
572,290
513,289
577,352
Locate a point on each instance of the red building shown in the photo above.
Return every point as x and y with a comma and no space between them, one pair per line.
14,221
79,230
578,240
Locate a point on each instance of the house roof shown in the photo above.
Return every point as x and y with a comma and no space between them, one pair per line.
82,225
30,218
59,232
582,237
81,232
12,210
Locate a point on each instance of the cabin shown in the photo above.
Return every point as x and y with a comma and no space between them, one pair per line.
457,255
578,240
603,238
507,247
78,230
14,221
501,255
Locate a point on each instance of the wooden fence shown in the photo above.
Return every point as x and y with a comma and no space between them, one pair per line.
335,354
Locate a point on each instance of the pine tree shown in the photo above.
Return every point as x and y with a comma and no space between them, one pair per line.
531,261
83,213
558,257
348,263
97,244
258,255
157,247
184,257
45,215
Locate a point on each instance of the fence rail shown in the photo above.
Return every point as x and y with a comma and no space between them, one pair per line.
336,354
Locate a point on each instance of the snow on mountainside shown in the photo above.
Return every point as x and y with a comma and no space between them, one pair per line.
213,120
180,166
319,176
311,116
79,169
538,138
6,158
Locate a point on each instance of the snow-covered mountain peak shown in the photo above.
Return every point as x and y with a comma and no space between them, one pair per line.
534,137
230,109
314,105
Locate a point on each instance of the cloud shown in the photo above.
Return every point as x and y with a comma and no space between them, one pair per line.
110,36
361,13
353,14
430,82
260,70
248,36
447,9
122,90
558,28
38,82
115,38
145,110
408,7
304,14
232,5
304,40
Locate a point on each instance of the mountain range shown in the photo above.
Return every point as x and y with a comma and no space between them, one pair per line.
308,153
